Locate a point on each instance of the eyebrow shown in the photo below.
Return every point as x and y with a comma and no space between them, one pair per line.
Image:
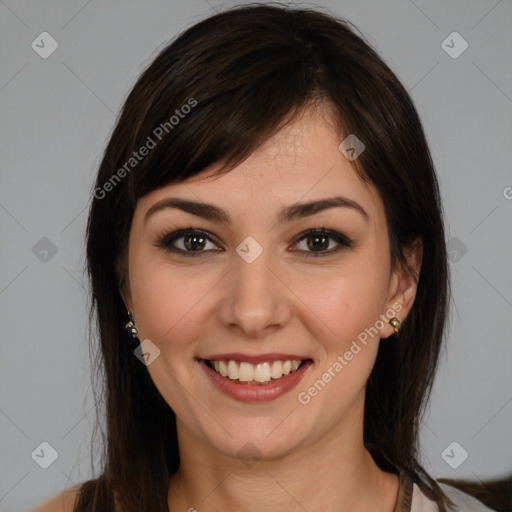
286,214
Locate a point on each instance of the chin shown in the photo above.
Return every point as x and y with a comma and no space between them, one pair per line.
253,441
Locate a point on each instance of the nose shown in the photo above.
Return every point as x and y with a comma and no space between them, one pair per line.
256,301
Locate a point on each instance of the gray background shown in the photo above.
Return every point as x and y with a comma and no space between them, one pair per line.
56,115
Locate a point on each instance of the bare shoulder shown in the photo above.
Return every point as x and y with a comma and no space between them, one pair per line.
63,502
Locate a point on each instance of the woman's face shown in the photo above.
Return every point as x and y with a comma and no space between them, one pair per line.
262,290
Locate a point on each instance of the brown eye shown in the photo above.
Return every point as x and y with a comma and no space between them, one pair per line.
194,242
317,242
189,242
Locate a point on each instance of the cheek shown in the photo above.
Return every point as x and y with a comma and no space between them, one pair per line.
170,312
167,299
349,298
348,304
336,302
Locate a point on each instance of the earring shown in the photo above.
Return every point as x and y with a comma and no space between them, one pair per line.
396,324
130,326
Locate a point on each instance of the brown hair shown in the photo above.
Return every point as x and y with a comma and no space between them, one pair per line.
245,72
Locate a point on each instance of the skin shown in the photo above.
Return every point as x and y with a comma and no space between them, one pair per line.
309,457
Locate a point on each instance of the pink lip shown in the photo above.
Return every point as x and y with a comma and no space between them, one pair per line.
262,358
256,392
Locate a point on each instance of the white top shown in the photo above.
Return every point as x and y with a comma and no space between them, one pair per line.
463,502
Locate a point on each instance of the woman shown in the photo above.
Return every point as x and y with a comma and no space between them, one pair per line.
268,266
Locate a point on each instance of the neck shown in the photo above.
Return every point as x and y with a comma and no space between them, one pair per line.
336,473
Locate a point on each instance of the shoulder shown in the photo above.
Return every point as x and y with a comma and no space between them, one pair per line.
463,502
63,502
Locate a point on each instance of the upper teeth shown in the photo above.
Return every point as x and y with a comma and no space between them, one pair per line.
262,372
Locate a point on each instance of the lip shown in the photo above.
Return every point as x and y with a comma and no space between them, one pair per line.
256,392
262,358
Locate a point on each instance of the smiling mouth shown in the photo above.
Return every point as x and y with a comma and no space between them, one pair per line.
262,373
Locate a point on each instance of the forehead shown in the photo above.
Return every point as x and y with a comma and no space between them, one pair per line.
301,162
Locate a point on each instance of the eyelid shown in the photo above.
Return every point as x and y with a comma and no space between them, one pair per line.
343,241
329,233
167,239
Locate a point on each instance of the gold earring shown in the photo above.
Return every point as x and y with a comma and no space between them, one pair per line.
130,326
395,323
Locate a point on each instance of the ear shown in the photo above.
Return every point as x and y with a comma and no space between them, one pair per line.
403,285
124,290
121,269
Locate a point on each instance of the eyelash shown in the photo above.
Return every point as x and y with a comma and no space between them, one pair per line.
166,240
